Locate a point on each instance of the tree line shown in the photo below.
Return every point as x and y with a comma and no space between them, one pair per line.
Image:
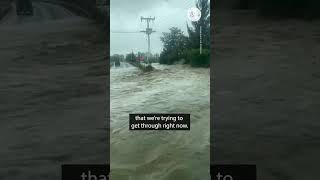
177,46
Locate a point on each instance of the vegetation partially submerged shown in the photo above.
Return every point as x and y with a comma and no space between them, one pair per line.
143,67
195,59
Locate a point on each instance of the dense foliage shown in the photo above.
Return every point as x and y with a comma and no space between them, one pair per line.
204,22
174,43
195,59
178,46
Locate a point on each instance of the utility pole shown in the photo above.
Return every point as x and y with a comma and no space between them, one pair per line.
148,31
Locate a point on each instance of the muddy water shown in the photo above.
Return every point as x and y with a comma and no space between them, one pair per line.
160,155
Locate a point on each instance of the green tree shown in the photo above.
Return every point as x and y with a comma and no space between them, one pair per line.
204,22
174,44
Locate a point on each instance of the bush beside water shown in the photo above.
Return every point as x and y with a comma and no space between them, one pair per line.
195,59
191,56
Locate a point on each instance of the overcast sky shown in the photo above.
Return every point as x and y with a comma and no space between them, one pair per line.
125,17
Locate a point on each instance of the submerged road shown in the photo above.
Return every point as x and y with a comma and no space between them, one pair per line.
52,93
167,155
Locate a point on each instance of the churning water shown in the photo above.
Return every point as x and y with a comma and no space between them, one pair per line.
160,155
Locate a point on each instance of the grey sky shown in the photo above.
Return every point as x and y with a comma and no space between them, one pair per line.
125,17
